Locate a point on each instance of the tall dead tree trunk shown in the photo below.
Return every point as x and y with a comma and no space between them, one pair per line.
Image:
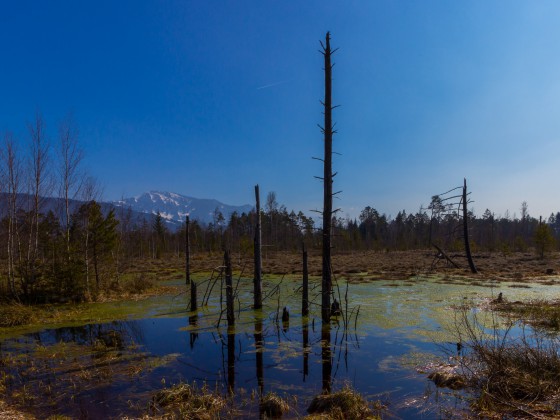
229,290
187,253
305,293
466,229
257,281
327,129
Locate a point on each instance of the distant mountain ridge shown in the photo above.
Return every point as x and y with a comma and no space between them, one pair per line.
175,207
172,207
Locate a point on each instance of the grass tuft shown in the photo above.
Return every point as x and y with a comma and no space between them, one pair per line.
192,403
344,404
16,314
273,406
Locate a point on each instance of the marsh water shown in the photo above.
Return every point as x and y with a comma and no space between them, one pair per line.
393,331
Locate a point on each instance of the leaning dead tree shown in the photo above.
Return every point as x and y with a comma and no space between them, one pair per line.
328,130
451,206
466,228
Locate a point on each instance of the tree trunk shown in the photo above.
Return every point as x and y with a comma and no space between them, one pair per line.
327,190
229,290
257,282
194,305
187,253
95,266
305,295
466,229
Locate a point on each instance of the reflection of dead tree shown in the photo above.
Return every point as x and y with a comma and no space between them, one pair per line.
451,206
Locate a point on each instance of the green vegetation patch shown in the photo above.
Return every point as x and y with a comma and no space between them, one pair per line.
539,312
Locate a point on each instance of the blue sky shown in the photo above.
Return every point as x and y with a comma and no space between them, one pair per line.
209,98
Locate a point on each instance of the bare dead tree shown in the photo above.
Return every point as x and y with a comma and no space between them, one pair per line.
328,131
187,252
453,205
305,292
466,229
70,156
90,191
229,290
257,281
38,183
12,174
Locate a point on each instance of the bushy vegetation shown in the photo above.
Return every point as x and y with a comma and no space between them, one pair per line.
509,373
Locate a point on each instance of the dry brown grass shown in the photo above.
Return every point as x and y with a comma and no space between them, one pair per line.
539,313
16,314
9,413
191,402
345,404
273,406
359,266
514,376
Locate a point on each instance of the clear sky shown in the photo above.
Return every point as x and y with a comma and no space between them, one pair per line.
209,98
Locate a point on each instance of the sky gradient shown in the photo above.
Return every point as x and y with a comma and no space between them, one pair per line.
209,98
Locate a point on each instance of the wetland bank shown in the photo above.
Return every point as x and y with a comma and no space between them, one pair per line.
110,359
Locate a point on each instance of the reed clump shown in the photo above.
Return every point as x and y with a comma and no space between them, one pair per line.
540,313
13,315
512,372
344,404
273,406
191,402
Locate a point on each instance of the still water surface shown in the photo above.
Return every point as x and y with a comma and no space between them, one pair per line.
112,369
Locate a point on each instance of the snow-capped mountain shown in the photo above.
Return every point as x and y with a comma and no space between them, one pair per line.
174,207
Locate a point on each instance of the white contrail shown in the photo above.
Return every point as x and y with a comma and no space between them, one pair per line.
272,84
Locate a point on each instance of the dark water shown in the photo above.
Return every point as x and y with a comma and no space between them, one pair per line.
109,370
262,356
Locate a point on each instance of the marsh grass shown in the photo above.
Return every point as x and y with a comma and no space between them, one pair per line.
190,401
16,314
10,413
48,377
346,404
273,406
539,313
512,371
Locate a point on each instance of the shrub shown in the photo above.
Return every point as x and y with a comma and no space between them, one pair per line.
509,373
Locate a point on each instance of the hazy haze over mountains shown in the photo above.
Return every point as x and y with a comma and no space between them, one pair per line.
174,207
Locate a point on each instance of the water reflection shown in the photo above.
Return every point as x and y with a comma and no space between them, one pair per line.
193,335
231,361
326,356
141,354
259,347
305,344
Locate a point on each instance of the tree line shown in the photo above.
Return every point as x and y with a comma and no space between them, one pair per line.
79,248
